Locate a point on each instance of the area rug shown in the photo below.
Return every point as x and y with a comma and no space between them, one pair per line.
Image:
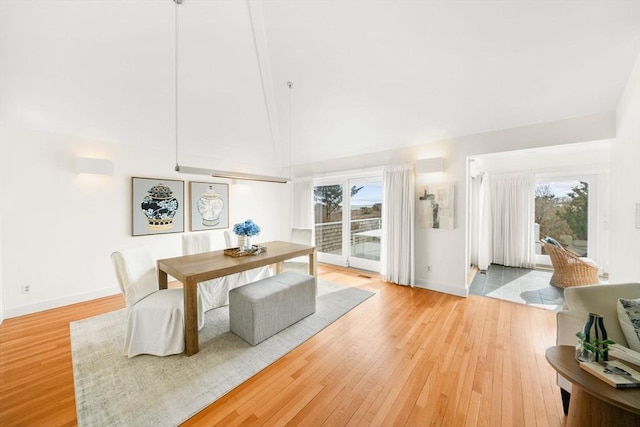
112,389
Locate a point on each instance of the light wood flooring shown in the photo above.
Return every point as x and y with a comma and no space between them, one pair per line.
404,357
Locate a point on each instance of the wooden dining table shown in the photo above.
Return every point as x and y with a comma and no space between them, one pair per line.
193,269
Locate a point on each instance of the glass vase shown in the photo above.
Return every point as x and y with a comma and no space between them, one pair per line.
245,243
582,354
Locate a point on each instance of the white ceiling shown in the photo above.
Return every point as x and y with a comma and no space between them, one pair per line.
368,75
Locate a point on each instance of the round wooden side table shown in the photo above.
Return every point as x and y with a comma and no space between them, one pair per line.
594,402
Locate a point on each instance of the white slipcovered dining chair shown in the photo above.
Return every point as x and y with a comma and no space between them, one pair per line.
230,239
155,317
215,292
302,236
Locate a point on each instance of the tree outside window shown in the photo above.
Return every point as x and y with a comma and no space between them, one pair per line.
563,215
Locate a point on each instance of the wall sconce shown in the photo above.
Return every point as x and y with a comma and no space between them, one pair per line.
91,166
435,164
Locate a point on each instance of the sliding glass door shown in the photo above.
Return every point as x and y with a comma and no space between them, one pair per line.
365,223
328,214
349,236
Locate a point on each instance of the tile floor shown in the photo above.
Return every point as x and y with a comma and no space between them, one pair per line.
520,285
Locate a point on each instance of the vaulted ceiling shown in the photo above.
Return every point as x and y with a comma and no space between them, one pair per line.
368,75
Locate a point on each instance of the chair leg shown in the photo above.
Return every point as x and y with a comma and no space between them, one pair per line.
566,397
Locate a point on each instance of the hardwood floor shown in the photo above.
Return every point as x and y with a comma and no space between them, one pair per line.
404,357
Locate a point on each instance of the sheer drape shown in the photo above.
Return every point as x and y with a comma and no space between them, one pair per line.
302,208
511,212
397,258
484,235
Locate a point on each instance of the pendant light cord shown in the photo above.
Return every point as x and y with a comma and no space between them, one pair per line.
290,86
177,2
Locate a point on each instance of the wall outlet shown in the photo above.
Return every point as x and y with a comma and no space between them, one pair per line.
428,268
25,289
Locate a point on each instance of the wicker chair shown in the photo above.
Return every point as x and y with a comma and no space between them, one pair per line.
570,270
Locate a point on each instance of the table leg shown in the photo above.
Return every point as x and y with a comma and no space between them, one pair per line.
313,267
162,279
278,268
190,317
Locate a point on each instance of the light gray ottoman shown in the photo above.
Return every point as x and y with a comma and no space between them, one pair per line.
265,307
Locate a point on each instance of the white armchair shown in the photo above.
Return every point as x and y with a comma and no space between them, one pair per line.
579,302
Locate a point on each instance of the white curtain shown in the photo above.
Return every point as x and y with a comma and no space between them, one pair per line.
302,209
484,232
397,257
511,213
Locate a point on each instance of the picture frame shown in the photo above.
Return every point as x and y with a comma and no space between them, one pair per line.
157,206
209,205
435,207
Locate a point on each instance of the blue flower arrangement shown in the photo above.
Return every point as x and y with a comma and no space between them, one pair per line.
247,228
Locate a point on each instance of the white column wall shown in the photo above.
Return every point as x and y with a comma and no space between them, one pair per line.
1,210
625,185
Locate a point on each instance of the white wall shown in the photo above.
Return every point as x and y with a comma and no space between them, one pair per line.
1,210
625,185
59,228
446,251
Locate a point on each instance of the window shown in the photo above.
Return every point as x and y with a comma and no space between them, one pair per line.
562,213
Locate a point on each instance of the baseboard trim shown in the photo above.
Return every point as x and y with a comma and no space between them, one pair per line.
443,287
59,302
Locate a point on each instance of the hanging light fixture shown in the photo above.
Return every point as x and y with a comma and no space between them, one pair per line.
228,174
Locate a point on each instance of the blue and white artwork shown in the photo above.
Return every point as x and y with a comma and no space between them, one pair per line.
157,206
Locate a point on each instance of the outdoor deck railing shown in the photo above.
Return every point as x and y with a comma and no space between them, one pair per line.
329,234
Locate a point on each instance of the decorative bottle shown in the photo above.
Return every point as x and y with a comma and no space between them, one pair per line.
595,322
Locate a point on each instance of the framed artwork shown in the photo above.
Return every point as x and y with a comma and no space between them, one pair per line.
435,207
209,203
157,206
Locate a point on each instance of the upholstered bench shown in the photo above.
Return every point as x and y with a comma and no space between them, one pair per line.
263,308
